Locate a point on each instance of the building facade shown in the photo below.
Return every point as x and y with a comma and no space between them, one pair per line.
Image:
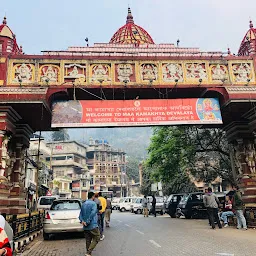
68,162
107,167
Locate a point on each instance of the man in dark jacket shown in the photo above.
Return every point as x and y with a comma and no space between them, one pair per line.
154,205
238,206
211,203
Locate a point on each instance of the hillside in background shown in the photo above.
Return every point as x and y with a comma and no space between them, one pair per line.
134,141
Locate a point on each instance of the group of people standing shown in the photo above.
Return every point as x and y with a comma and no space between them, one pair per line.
146,206
233,206
95,212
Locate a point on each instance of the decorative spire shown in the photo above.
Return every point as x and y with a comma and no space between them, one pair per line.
129,16
251,24
4,21
229,52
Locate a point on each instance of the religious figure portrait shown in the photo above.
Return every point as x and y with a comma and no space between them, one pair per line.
49,73
242,72
124,72
172,72
219,72
23,73
196,71
74,72
148,72
101,73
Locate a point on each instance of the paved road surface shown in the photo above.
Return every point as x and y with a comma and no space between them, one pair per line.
134,235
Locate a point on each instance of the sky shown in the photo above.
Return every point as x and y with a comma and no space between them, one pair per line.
57,24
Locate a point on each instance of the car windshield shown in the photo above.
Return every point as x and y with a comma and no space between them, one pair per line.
138,201
134,200
46,200
65,205
184,199
159,199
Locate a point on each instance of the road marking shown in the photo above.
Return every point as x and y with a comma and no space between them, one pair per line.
155,243
127,225
140,232
225,254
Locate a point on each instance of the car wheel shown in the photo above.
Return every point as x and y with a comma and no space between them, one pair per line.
46,236
123,209
162,213
174,215
113,208
187,216
139,211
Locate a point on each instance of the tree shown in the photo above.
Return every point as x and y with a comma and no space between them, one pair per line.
147,180
132,168
61,135
176,154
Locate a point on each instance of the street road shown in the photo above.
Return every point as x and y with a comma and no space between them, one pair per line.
135,235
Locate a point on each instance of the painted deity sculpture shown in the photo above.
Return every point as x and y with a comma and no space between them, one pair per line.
219,72
196,71
237,158
100,73
75,71
250,157
172,72
242,72
5,156
50,74
149,72
23,73
124,72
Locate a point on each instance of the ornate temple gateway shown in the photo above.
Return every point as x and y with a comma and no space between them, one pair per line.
130,66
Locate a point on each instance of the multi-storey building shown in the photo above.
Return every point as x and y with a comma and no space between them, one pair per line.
68,162
107,167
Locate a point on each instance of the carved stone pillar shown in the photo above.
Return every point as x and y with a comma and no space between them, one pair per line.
18,191
4,186
243,143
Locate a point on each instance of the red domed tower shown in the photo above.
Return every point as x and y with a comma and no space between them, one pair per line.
248,45
131,33
8,42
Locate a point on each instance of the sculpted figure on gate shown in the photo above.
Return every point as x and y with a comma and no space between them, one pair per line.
23,73
148,72
172,72
124,72
250,157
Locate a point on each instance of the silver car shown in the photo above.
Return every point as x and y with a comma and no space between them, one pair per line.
62,217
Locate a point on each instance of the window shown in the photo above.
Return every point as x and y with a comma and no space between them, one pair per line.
69,157
65,205
46,200
59,158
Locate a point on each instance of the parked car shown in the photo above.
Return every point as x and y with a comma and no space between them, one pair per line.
137,205
191,205
63,216
45,202
159,204
125,205
115,202
171,204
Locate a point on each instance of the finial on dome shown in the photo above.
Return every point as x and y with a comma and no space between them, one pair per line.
251,24
4,21
129,16
229,52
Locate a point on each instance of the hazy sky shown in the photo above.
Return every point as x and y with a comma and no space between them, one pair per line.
57,24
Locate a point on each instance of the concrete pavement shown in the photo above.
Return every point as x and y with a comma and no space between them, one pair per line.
135,235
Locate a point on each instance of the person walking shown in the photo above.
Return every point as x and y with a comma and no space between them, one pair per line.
154,205
238,206
145,206
211,203
108,212
5,247
101,214
88,217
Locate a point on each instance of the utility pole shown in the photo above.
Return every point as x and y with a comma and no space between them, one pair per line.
38,163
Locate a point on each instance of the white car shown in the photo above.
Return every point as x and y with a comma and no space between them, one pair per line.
125,204
45,202
115,203
62,217
137,206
